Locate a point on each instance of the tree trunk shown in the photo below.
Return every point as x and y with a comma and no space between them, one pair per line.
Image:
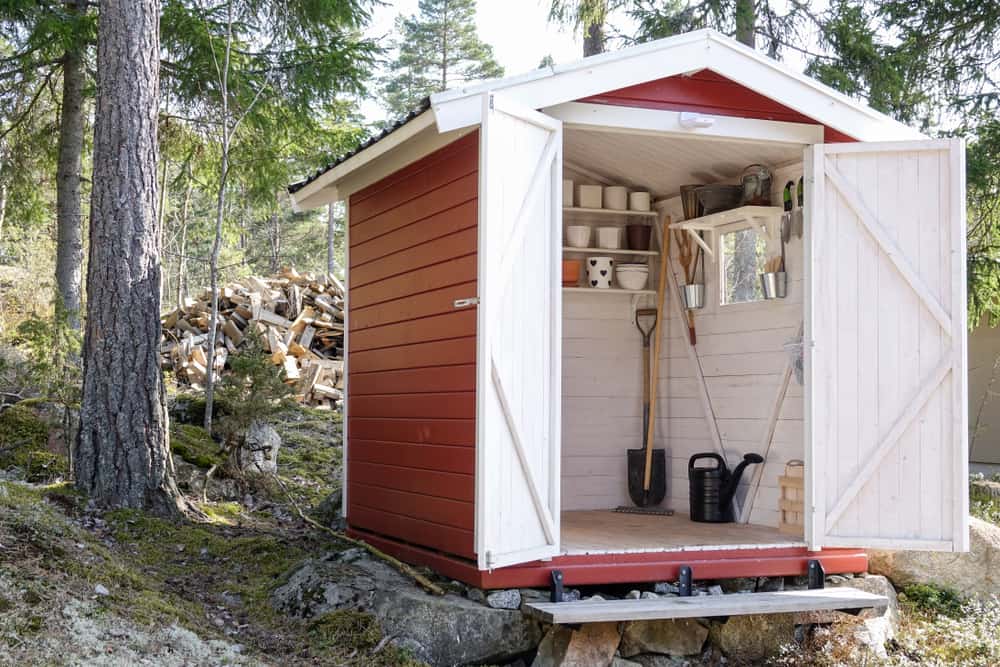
122,456
69,234
274,234
746,22
220,211
593,39
331,224
182,253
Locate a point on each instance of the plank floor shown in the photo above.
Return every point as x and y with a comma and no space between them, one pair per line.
605,531
705,606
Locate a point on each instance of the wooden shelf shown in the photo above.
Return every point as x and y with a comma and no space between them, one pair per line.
609,251
576,210
610,290
766,221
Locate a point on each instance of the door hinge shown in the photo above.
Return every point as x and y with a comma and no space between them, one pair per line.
465,303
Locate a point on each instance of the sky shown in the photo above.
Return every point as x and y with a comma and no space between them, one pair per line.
518,30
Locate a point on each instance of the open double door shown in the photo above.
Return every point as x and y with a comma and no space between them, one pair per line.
885,330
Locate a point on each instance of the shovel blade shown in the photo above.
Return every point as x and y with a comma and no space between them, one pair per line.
657,482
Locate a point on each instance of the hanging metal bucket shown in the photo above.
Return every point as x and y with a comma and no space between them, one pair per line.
693,296
775,285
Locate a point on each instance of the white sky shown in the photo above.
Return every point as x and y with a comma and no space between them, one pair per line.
518,30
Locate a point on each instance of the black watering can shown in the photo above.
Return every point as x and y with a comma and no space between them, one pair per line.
712,488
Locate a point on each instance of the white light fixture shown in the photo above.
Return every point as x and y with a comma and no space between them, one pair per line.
691,120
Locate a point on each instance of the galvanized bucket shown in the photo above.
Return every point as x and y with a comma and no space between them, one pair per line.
693,295
775,285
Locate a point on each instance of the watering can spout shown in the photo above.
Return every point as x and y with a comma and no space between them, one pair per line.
734,479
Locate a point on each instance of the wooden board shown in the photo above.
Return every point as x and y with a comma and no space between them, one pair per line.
606,532
706,606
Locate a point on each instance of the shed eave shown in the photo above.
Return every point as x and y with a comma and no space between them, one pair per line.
690,52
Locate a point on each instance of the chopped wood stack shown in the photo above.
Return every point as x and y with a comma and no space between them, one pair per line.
300,320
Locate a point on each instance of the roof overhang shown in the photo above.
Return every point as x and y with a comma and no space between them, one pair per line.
682,54
457,111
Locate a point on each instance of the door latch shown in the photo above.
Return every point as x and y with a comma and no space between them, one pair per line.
465,303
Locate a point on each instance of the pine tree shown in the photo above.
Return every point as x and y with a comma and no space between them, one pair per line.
437,48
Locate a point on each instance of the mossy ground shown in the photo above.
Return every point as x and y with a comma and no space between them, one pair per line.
194,445
984,505
24,440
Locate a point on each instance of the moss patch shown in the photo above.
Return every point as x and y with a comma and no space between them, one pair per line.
194,445
355,631
310,456
933,600
23,444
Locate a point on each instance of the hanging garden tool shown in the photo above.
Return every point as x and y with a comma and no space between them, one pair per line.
687,260
798,215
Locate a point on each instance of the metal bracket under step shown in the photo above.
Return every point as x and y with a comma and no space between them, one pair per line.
557,592
816,575
685,581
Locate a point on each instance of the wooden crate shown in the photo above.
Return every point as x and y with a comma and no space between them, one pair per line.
791,502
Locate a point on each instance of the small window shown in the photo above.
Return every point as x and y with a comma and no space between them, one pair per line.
743,256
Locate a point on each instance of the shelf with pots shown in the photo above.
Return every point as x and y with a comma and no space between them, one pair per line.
610,290
609,251
580,211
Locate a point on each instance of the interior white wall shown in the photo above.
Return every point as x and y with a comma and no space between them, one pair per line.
741,352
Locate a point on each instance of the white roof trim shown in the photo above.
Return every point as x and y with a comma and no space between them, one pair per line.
330,178
687,53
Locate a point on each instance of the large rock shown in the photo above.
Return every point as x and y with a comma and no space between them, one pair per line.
592,644
872,628
448,630
681,637
754,637
973,573
260,448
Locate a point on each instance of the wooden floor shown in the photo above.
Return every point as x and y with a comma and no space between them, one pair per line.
604,531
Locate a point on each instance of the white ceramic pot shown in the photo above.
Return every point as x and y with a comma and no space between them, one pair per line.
588,196
567,193
632,276
609,238
616,198
578,236
599,272
638,201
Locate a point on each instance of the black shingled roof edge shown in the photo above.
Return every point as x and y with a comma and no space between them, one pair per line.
424,105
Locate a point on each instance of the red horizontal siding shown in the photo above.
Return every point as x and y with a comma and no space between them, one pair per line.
411,307
423,206
445,274
419,355
425,457
440,224
707,92
455,486
411,402
415,381
454,513
453,405
450,540
457,432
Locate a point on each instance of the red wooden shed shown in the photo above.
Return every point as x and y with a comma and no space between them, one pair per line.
489,406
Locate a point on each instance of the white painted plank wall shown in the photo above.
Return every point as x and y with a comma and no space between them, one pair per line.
741,351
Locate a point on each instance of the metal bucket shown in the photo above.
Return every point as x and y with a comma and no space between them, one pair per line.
693,295
775,285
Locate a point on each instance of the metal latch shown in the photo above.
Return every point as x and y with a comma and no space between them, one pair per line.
465,303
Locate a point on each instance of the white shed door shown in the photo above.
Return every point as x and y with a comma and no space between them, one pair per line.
520,313
886,398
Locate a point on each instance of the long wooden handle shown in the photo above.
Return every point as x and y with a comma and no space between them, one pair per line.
660,291
645,375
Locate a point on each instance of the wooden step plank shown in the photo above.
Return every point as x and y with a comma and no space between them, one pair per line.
706,606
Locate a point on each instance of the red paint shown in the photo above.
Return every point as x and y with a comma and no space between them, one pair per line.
411,372
711,93
628,568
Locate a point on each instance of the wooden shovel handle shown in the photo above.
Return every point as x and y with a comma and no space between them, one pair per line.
660,291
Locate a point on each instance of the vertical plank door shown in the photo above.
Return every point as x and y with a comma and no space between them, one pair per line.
520,311
886,387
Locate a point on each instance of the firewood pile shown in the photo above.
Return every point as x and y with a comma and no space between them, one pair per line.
300,320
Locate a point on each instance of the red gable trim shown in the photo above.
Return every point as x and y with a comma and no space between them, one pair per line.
711,93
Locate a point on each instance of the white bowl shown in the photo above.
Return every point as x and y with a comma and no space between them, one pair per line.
578,236
631,279
609,237
616,197
588,196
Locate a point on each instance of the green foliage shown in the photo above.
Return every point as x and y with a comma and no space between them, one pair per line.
254,389
934,600
24,445
53,349
436,49
983,504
